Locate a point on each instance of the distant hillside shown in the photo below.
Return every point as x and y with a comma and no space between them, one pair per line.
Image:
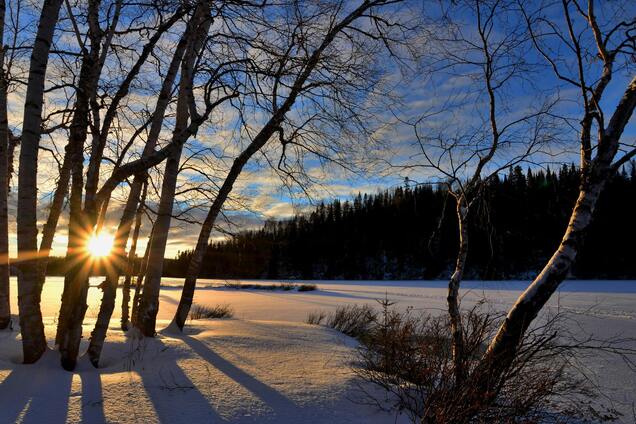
398,234
410,233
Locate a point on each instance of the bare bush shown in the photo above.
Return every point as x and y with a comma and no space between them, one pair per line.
410,357
209,312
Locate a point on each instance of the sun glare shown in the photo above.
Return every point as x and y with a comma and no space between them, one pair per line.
99,245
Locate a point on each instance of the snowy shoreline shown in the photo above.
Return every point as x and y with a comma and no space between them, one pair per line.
268,342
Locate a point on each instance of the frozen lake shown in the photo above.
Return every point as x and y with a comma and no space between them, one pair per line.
594,298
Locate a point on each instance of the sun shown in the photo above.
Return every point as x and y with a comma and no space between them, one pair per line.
100,245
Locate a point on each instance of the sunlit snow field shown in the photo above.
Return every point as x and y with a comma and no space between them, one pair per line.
268,329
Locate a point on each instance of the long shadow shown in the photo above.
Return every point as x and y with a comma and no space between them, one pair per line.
280,404
186,404
39,393
92,397
168,299
304,299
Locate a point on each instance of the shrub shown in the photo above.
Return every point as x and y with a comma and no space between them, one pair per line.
281,286
353,320
307,287
410,357
208,312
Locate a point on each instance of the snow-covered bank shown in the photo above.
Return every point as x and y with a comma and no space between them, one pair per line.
220,371
247,369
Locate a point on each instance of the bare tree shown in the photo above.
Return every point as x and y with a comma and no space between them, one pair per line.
189,49
312,66
599,47
186,111
489,54
83,217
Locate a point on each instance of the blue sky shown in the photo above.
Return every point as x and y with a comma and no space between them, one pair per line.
452,97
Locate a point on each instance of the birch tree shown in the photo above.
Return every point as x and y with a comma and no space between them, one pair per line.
186,54
320,49
31,326
588,46
186,112
472,133
83,215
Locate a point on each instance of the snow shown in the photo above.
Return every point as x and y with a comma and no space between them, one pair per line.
265,365
219,371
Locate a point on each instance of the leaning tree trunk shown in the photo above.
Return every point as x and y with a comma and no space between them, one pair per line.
453,291
257,143
503,349
31,326
149,301
194,267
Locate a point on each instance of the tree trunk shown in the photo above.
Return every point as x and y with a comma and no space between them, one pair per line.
118,261
5,304
194,267
48,231
453,291
73,309
31,326
140,280
130,269
149,301
503,349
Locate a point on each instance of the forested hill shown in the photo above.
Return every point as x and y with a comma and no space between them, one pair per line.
398,234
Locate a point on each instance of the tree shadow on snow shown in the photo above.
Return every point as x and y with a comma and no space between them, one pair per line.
36,393
174,396
92,397
279,403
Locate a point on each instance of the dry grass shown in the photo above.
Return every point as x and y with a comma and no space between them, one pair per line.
352,320
209,312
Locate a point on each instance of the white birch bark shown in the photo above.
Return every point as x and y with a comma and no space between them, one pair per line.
273,125
31,326
149,300
503,348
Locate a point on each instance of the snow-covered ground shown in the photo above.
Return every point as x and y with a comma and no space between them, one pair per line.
266,365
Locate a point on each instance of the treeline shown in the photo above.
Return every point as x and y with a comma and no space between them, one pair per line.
411,233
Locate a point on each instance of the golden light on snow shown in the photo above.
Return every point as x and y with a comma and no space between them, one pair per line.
100,245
